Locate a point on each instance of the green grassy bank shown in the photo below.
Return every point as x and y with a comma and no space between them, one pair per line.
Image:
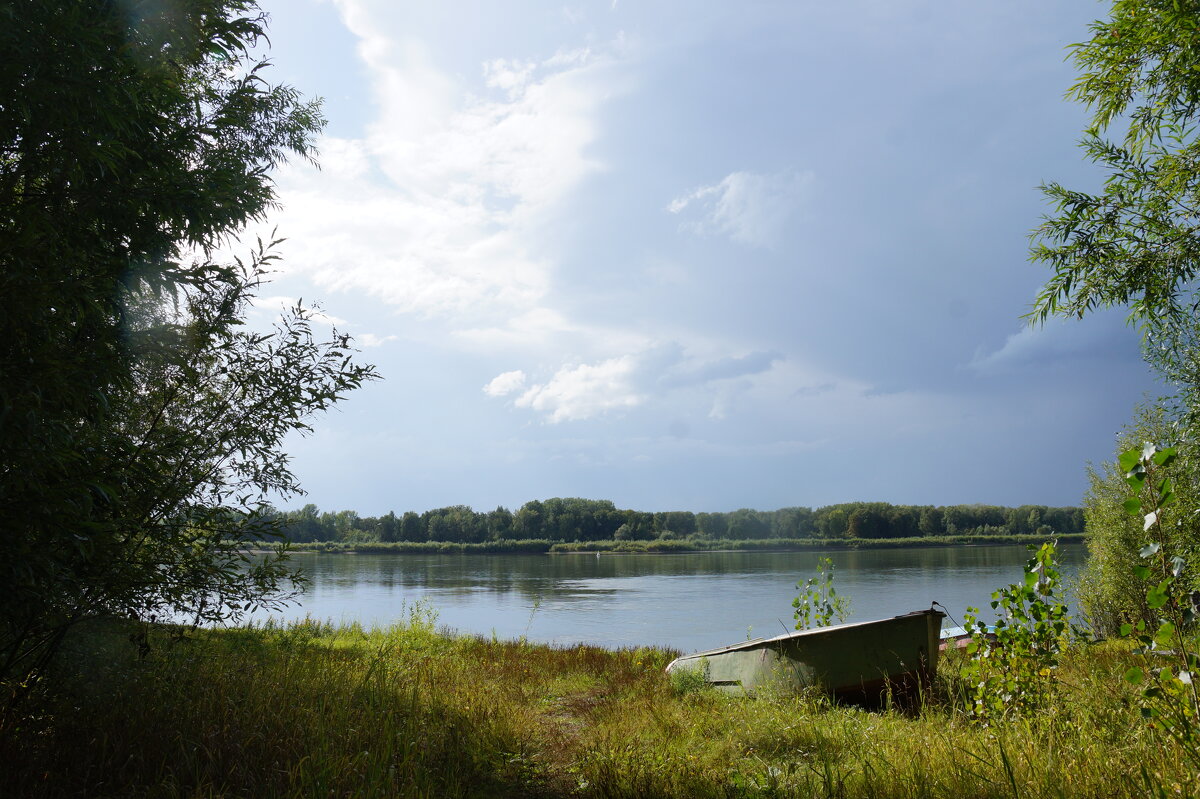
311,710
541,546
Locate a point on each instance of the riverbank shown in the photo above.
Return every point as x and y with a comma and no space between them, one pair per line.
313,710
670,546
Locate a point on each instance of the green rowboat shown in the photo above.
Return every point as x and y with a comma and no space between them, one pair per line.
865,662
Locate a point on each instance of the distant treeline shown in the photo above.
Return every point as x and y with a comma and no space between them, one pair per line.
666,546
585,520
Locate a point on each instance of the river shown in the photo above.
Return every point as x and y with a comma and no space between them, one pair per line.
683,601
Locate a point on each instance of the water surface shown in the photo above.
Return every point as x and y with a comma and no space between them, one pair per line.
685,601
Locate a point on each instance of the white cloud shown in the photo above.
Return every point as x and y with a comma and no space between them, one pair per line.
344,159
721,368
372,340
584,391
681,202
520,331
504,384
748,207
510,75
440,209
276,304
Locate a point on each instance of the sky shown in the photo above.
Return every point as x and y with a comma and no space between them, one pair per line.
693,255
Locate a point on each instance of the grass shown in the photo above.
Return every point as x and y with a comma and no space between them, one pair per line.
314,710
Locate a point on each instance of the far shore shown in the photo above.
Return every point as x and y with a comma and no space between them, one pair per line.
664,547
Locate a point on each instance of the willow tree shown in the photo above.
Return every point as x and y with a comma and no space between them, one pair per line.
140,422
1136,244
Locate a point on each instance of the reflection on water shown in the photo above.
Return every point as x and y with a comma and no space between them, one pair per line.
685,601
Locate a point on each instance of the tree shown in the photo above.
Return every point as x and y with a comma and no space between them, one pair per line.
529,520
931,523
411,528
1138,241
140,423
792,523
903,521
745,524
389,527
1110,592
712,525
639,526
868,521
833,521
675,524
499,523
198,448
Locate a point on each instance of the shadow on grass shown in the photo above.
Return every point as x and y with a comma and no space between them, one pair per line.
283,712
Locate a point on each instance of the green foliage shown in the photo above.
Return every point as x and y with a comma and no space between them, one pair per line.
1137,241
1012,665
363,543
1110,594
690,681
575,521
523,546
141,423
818,603
1171,661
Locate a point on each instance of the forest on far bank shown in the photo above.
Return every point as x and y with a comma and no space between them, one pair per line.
579,520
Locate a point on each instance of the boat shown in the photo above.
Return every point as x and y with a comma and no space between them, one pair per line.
868,662
961,637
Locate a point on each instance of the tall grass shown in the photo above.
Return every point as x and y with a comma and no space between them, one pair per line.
309,709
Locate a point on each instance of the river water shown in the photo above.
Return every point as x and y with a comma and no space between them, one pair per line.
683,601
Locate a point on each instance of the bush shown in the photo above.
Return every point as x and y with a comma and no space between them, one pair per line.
1110,594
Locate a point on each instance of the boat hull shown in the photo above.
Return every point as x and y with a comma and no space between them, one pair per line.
863,662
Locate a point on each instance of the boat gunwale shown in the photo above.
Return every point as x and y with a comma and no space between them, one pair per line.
761,642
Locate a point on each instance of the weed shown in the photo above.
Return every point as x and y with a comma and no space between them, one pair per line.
690,680
1012,665
818,603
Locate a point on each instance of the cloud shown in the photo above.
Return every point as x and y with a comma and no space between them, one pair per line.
1057,341
441,208
372,340
510,75
584,391
814,390
723,368
522,330
277,304
748,207
504,384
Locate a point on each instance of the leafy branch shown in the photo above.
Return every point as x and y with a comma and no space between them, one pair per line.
818,603
1170,662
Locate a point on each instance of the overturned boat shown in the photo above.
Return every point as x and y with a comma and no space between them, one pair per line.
867,662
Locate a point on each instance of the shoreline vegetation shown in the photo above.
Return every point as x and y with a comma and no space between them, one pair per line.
663,547
572,524
310,709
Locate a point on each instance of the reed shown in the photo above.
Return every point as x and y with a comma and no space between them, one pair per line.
310,709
